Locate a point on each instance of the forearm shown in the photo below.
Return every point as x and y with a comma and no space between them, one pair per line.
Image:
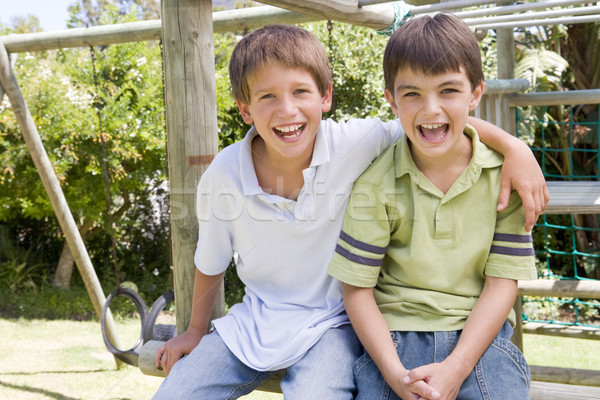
206,288
372,330
484,322
494,137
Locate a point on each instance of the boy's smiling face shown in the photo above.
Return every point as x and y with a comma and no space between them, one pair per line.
433,110
285,108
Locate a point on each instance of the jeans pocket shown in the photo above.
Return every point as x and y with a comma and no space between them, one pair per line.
361,362
514,354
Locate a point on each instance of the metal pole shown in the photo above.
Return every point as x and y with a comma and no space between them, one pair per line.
487,11
550,21
567,12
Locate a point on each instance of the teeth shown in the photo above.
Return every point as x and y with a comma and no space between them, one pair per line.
432,126
291,128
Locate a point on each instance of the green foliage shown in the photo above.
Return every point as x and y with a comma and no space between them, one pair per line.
489,56
542,67
84,13
20,268
229,121
67,107
356,57
47,302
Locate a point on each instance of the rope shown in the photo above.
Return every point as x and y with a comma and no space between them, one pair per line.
401,15
105,172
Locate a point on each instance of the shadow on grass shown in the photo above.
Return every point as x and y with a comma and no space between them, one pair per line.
30,389
23,373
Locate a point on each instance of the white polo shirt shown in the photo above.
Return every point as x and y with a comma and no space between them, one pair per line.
283,246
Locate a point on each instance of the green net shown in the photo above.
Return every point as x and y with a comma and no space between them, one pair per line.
565,142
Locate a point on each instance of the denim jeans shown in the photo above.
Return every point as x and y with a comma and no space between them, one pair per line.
501,373
212,372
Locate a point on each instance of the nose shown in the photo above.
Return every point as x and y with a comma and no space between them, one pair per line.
287,106
431,105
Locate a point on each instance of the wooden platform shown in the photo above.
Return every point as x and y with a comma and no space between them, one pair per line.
559,391
581,197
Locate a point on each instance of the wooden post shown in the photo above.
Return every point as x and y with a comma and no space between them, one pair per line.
192,142
55,193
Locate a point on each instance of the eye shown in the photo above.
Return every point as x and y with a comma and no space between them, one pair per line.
450,90
410,94
267,96
300,91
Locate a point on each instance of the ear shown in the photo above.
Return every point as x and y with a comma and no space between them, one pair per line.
327,98
245,111
476,95
390,99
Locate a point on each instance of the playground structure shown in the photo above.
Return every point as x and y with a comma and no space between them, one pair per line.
186,29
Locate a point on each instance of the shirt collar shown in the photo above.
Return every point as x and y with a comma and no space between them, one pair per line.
248,174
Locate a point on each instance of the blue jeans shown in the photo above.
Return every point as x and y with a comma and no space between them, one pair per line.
212,372
501,373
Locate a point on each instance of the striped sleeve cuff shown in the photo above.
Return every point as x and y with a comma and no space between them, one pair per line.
512,245
359,252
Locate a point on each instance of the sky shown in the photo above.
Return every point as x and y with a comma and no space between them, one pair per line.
52,14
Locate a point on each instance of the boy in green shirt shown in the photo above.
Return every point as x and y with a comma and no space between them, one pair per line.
423,251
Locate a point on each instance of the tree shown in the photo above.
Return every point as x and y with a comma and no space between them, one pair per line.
67,107
89,13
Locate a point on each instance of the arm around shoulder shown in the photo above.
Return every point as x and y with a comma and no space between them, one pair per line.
521,170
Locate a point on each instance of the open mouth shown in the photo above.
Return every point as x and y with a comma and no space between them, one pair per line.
433,132
289,132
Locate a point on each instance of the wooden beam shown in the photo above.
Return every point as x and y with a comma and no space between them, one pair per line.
570,331
83,37
582,289
570,376
192,142
57,198
576,197
223,21
378,16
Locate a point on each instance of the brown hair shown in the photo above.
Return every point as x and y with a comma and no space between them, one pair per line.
433,45
288,45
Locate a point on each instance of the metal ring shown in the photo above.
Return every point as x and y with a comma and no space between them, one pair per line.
128,356
157,307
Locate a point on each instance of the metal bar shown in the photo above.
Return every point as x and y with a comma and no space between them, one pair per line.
447,6
482,12
534,15
550,21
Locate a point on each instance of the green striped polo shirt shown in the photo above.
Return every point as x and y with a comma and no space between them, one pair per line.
426,253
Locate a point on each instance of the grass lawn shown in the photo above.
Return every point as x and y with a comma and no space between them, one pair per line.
66,360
